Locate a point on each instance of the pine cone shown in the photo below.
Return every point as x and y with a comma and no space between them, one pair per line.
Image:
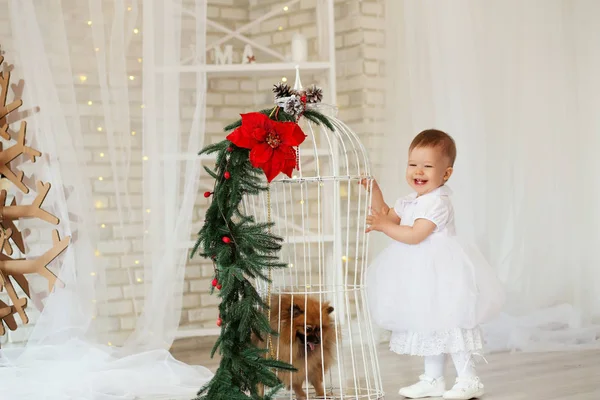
294,106
282,90
314,94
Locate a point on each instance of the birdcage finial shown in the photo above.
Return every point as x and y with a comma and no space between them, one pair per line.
298,84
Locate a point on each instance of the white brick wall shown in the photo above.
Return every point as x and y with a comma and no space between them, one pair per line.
360,57
360,64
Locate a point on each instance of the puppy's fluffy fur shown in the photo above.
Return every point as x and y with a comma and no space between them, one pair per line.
306,339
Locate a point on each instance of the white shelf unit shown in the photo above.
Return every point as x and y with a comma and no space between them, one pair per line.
326,45
248,69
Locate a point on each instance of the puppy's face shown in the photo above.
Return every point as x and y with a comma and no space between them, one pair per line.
312,323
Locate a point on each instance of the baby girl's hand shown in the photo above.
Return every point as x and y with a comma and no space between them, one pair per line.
364,182
377,221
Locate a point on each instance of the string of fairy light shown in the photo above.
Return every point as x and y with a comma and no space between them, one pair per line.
284,80
99,204
83,78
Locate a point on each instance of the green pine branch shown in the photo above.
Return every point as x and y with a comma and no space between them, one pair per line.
277,114
318,118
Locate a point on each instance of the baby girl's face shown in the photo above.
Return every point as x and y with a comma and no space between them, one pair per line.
427,169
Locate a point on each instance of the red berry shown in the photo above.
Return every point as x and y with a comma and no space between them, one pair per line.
303,99
215,282
230,149
219,322
207,194
227,175
219,286
226,240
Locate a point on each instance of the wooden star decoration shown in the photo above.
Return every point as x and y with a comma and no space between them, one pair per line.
13,270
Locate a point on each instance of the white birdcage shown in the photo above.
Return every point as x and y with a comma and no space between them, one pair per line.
320,213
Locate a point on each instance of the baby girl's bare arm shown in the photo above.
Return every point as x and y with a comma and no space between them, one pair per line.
410,234
378,203
406,234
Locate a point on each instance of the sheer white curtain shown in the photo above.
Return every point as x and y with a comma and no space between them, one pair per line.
516,84
69,354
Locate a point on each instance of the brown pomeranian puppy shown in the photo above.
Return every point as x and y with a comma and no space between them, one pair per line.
306,339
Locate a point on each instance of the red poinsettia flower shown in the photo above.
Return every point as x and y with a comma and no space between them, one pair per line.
270,143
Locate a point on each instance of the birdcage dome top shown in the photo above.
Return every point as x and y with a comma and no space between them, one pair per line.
331,151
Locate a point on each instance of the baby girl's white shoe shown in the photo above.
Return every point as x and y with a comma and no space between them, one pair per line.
465,389
426,387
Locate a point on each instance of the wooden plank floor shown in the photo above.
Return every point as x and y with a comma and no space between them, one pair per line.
518,376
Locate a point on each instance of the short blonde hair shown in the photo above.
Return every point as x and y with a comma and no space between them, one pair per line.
438,139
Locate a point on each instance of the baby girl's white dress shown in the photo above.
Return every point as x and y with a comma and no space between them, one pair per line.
432,295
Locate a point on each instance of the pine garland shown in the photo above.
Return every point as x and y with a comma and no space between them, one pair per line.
243,250
247,253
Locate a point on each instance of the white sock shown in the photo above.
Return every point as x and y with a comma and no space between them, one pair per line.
434,366
463,362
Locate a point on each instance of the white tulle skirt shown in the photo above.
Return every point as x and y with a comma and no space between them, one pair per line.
433,296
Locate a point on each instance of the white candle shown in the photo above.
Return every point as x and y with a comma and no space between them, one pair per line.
299,48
